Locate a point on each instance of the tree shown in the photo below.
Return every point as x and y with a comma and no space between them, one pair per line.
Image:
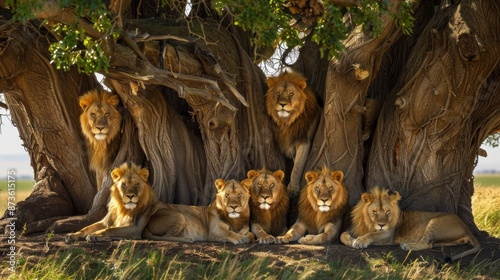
405,111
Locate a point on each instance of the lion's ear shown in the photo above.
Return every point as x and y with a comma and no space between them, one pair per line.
367,197
279,175
86,100
272,81
311,176
301,84
116,174
394,195
220,184
112,99
252,174
143,173
247,183
337,175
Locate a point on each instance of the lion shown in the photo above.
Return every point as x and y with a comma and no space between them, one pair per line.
226,219
268,204
322,205
378,220
101,122
294,108
132,203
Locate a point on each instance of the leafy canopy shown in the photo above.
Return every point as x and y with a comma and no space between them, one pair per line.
270,21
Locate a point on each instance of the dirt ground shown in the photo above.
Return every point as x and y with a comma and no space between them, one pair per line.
38,246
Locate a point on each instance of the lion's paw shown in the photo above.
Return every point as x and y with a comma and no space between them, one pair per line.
71,237
309,240
243,240
269,239
359,243
93,238
285,239
405,246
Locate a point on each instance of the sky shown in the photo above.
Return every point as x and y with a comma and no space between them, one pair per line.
14,156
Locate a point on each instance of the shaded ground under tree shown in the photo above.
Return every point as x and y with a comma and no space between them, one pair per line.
193,104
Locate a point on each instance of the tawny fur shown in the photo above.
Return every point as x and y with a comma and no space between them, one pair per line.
294,108
269,203
99,110
378,220
215,222
322,226
132,203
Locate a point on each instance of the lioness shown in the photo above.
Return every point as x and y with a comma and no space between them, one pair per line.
322,204
294,108
225,219
268,204
378,220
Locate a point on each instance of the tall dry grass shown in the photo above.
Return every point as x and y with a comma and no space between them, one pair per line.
486,209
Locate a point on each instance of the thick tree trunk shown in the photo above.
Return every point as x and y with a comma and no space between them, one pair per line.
338,142
234,138
434,121
197,113
42,103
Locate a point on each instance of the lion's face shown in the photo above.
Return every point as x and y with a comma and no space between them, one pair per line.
130,185
381,210
326,191
285,99
232,197
267,188
100,119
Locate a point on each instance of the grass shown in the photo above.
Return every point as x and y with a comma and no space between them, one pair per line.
23,189
127,262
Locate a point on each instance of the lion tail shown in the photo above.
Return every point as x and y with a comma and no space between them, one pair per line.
476,246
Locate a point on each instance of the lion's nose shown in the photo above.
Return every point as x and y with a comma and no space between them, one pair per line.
130,196
283,105
234,207
265,197
381,225
100,127
324,200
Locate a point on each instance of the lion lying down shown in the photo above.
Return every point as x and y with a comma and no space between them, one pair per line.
134,210
378,220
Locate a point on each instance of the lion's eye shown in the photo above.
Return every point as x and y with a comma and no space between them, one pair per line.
330,189
136,186
227,195
239,195
92,115
388,212
290,94
124,186
107,114
259,185
374,212
317,189
271,186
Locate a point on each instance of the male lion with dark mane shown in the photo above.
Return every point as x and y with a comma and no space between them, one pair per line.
378,220
101,122
132,203
268,204
295,110
224,220
322,205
